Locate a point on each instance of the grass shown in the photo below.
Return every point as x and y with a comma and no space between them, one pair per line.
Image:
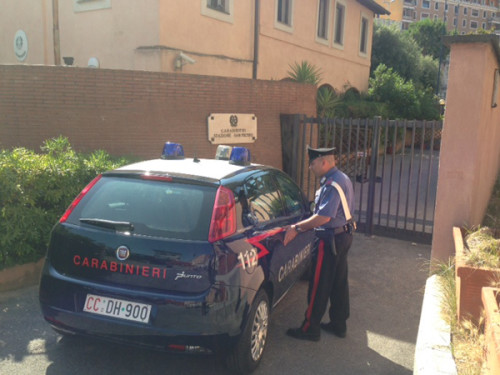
467,339
483,248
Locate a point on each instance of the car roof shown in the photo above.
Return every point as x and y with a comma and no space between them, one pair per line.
203,168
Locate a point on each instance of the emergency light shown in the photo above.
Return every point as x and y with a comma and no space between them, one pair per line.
172,151
223,152
240,156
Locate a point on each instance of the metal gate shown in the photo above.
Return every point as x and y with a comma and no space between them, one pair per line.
393,166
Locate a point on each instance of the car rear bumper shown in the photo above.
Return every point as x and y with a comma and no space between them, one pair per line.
211,319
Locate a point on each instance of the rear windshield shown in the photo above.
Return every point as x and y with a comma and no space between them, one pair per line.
165,209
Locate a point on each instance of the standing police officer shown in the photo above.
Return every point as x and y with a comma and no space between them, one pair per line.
333,228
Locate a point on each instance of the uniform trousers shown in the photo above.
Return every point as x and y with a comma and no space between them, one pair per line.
329,281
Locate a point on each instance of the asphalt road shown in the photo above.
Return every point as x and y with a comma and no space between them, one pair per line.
387,280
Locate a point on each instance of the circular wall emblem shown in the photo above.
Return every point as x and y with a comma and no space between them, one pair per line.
122,253
21,45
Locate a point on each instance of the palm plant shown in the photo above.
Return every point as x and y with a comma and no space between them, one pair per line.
305,73
326,102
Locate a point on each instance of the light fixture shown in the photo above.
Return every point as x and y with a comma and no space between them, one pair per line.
183,59
93,62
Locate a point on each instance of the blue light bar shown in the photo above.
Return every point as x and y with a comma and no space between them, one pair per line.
172,151
240,156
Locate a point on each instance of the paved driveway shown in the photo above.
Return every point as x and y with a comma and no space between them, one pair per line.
387,280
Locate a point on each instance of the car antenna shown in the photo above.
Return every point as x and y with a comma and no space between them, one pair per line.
195,159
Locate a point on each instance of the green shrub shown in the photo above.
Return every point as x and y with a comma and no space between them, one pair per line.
403,99
35,190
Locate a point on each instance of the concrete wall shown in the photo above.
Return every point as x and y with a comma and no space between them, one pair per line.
470,149
134,113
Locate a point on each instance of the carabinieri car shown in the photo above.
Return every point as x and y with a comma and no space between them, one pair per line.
178,254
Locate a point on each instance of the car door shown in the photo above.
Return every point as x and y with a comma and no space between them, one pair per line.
266,208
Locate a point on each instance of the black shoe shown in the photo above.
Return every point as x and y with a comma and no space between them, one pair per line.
332,328
298,333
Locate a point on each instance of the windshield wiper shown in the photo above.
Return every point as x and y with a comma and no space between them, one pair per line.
120,226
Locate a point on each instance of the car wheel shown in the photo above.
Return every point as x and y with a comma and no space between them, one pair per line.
248,352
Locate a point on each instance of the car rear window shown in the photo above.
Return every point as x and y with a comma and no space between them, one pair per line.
165,209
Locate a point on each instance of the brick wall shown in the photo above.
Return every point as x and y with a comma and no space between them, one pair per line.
135,112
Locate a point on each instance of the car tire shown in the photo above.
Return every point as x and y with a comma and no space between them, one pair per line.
249,349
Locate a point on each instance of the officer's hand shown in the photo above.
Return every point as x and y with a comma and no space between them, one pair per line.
289,235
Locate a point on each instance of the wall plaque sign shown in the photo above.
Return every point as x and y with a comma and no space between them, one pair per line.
229,128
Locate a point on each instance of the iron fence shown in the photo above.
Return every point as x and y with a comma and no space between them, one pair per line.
393,165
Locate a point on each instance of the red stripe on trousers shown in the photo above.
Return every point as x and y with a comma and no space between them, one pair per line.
317,275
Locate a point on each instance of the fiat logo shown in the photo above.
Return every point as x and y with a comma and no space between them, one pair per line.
122,253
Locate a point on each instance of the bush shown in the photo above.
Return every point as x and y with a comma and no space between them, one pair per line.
403,99
35,190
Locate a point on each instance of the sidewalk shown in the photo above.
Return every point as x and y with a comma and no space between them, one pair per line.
387,283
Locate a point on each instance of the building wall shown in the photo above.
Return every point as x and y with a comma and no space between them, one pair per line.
150,34
470,155
339,66
110,34
35,18
393,6
410,11
134,113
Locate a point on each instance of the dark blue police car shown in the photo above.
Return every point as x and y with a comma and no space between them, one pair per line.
178,254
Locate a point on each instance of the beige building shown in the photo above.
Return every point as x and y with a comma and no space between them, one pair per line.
234,38
461,16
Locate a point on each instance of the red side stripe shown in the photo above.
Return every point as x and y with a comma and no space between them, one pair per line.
317,275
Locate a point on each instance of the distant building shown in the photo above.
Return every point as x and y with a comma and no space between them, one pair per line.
235,38
464,17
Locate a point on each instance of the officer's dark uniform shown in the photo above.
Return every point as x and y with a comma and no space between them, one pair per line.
333,240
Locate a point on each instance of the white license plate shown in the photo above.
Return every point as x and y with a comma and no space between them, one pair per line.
117,308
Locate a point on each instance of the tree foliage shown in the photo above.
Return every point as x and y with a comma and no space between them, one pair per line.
401,52
396,50
402,98
403,77
428,35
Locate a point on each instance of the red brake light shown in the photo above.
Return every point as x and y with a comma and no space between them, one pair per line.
223,222
78,199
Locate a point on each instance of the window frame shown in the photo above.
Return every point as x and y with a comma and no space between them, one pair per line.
288,27
327,19
336,43
364,17
217,14
89,5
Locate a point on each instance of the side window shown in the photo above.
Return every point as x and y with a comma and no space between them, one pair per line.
291,195
263,198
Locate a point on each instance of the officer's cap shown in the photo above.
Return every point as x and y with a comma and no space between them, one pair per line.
318,152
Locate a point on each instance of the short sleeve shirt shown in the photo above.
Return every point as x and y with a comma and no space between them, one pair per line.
327,200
